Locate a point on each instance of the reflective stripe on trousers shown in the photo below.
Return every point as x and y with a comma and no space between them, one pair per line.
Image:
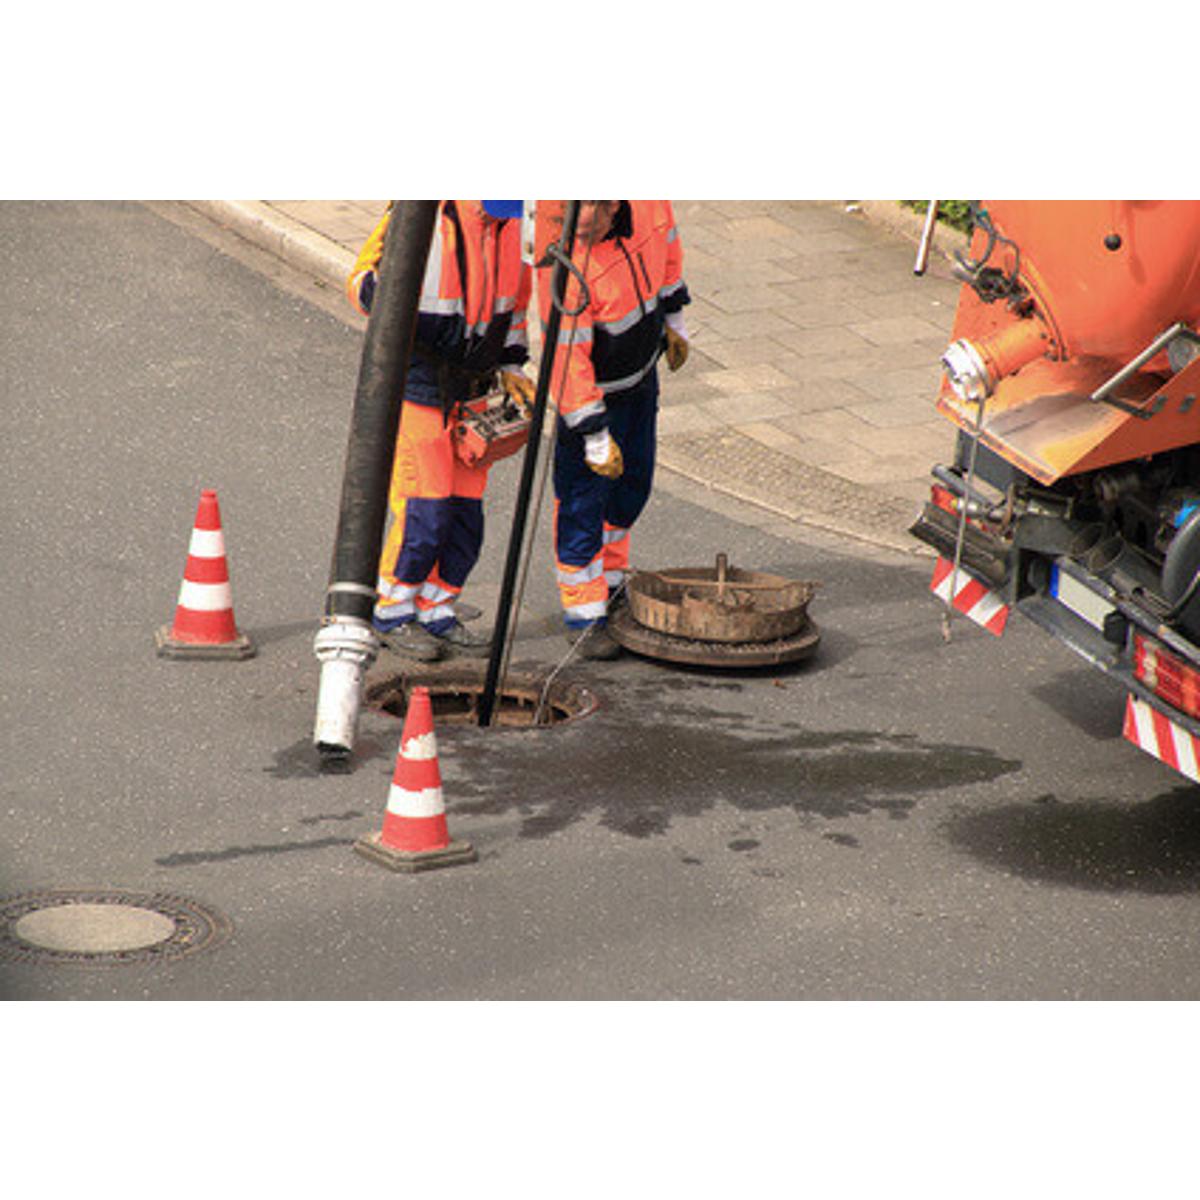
436,530
593,515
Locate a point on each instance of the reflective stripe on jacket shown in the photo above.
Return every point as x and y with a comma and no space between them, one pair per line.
472,312
635,279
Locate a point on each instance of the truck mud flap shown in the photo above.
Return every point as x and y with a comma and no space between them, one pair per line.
1149,730
969,596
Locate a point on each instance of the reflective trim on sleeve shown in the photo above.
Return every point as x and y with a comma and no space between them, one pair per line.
575,337
629,320
595,409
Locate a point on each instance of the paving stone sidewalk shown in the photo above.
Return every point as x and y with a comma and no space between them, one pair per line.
815,349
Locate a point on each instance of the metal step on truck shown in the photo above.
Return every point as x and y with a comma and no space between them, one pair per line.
1073,376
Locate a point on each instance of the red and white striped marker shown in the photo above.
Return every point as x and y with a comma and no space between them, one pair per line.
415,836
204,626
971,598
1160,737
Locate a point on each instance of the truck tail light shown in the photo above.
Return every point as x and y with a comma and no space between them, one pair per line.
944,498
1166,675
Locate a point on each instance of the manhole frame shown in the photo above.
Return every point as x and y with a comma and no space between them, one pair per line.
197,927
384,684
721,656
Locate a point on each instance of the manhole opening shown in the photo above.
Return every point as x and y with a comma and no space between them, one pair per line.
525,701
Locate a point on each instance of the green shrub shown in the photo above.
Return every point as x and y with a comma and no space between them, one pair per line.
955,213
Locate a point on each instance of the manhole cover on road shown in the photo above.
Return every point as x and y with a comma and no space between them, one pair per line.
105,928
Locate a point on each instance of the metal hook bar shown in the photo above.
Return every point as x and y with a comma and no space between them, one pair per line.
926,238
553,252
1130,368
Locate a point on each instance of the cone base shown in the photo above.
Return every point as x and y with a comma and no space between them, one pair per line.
371,847
169,647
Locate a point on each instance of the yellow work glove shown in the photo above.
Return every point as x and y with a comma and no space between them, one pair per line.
677,349
519,390
360,290
602,454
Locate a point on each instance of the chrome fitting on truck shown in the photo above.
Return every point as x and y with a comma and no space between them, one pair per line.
966,372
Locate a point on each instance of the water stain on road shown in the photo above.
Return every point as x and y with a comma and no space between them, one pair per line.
637,779
1152,847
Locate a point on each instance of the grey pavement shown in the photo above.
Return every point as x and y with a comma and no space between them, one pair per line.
815,349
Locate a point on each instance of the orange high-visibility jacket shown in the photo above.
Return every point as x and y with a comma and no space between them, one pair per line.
635,280
472,312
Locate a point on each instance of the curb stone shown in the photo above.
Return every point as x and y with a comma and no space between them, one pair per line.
286,238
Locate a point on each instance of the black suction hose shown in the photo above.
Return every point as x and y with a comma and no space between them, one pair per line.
376,414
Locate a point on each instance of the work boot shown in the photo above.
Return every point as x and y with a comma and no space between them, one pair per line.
410,639
462,641
594,642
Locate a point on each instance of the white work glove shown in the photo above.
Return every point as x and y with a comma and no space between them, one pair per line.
602,454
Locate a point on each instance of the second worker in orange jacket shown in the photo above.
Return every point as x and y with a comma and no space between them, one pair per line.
605,384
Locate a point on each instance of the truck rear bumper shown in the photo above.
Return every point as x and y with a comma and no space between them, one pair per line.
1075,608
1149,728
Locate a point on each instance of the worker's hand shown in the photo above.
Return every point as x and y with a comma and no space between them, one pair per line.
602,454
519,389
677,349
360,290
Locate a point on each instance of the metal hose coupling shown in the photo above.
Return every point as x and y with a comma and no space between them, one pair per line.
974,368
345,647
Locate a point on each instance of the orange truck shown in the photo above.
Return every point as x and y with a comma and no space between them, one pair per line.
1073,376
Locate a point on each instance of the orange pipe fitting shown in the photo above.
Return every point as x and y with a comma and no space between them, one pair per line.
976,365
1008,350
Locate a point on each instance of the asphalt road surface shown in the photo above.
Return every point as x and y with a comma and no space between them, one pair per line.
899,818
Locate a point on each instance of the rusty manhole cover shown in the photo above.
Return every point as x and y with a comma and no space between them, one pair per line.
652,643
525,702
105,928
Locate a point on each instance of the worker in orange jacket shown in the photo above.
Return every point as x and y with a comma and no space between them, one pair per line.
605,384
470,335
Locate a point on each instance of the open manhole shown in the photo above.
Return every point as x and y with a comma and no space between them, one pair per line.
525,701
105,928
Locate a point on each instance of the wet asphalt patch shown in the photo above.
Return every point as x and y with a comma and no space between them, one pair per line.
685,765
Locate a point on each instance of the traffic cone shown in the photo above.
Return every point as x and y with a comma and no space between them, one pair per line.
204,626
414,835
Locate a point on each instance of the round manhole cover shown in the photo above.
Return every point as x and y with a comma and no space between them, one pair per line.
105,928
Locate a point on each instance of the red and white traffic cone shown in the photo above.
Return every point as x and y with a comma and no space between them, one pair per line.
204,625
414,835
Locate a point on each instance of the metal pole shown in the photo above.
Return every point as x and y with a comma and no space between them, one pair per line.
346,644
926,238
487,698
